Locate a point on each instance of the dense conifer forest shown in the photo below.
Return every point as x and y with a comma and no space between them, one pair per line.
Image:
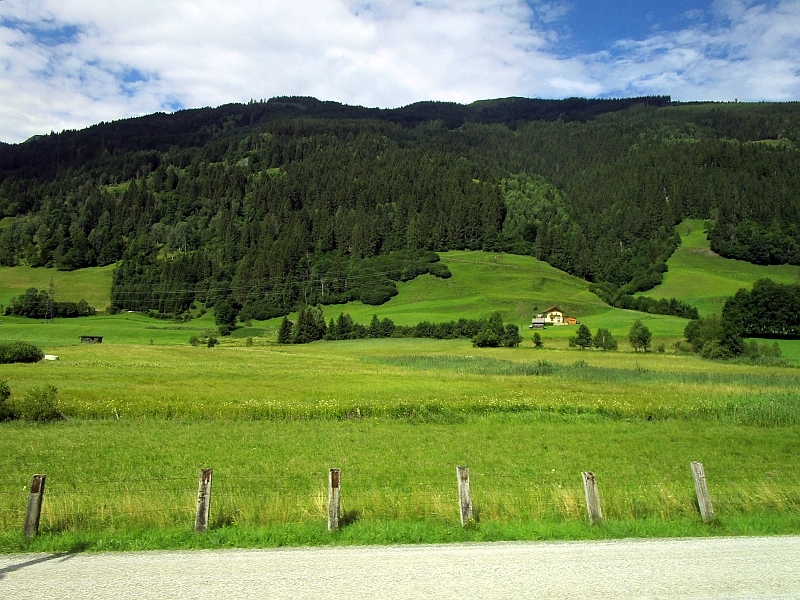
291,202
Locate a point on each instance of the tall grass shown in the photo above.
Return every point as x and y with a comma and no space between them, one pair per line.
129,476
781,408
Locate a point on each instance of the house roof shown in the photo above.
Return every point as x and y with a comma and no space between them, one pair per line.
553,309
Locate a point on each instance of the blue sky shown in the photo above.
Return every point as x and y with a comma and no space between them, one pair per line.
70,63
594,26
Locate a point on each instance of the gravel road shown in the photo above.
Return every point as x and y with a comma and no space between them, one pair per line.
681,568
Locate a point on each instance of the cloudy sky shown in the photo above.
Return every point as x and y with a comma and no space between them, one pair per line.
70,63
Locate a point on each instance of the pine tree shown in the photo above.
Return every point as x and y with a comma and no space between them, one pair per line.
583,338
285,332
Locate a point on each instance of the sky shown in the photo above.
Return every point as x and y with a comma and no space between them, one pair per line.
66,64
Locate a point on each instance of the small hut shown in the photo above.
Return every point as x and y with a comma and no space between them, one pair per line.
91,339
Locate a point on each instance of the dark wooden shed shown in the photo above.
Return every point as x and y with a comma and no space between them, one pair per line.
91,339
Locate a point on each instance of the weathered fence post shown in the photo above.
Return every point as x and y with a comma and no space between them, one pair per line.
334,496
34,510
592,498
701,487
203,501
464,496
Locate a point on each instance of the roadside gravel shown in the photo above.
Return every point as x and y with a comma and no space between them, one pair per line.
766,567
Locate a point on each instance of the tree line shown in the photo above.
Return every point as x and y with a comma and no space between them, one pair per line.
36,304
310,326
769,310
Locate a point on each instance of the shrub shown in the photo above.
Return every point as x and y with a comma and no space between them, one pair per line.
6,410
212,341
714,350
701,331
14,352
194,340
39,404
537,340
486,338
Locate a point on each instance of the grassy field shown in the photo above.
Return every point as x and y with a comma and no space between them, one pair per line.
116,329
131,484
391,378
703,279
145,411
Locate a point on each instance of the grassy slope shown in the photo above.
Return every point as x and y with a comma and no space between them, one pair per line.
92,285
703,279
482,283
485,282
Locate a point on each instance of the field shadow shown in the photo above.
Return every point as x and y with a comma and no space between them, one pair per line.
349,517
78,548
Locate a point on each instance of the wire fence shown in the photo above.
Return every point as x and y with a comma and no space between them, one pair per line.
303,498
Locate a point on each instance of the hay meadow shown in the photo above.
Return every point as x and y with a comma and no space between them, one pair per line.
145,411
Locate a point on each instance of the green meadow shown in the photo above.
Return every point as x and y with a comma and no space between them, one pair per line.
145,411
704,279
131,484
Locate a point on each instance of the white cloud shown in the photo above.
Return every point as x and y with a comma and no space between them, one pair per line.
752,53
107,60
206,52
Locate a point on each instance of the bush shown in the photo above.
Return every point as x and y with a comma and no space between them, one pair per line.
701,331
39,404
714,350
212,341
537,340
6,411
486,338
16,352
194,340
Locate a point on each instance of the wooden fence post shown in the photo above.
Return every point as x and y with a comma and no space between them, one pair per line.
203,501
592,498
334,496
464,496
34,510
701,487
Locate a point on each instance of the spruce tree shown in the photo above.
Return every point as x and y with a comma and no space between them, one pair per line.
285,332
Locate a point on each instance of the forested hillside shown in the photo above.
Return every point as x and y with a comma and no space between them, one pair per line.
271,205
